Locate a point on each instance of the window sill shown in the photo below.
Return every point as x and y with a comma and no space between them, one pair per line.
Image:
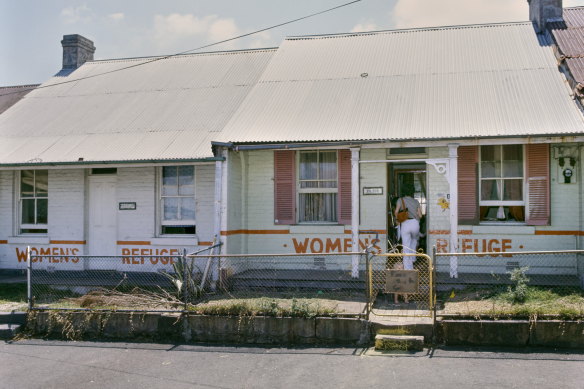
29,239
501,228
175,241
321,228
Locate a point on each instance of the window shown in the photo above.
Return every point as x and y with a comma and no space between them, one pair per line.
317,186
34,191
177,200
502,183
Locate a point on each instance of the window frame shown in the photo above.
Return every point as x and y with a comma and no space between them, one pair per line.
300,190
160,222
42,227
502,203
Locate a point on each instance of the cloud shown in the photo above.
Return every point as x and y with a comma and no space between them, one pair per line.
261,40
116,16
424,13
170,30
72,15
368,26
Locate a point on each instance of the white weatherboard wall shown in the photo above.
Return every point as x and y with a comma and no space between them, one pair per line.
504,238
251,227
136,230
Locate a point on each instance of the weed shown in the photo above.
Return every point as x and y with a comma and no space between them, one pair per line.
518,293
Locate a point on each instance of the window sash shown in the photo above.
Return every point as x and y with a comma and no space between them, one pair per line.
33,190
317,189
317,208
498,176
313,175
177,203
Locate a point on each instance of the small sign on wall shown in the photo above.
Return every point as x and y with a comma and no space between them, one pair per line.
378,190
128,206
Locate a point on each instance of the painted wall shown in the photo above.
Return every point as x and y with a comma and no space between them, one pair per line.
562,234
136,230
251,228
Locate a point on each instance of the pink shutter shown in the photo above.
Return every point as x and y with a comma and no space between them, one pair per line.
538,187
468,157
344,196
284,187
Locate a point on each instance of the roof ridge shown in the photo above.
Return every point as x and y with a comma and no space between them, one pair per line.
403,30
19,86
170,56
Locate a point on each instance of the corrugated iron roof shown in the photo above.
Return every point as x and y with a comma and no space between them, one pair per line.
10,95
168,109
569,37
453,82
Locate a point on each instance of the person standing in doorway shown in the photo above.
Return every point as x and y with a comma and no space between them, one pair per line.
410,228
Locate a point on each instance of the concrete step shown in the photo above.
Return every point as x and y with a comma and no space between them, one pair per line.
8,331
399,342
12,317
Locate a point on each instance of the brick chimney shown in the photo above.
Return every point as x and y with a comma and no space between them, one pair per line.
542,11
76,51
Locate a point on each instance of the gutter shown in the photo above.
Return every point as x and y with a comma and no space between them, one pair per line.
123,162
286,146
525,138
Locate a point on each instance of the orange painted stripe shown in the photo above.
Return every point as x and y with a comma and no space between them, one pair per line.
255,232
68,242
133,243
365,231
544,232
3,242
447,232
205,243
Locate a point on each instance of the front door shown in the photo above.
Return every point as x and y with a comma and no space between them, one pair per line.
102,228
413,176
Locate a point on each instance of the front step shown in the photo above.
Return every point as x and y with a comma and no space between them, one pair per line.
399,342
12,317
11,323
9,331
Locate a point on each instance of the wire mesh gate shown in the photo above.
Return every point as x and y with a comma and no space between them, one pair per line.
387,277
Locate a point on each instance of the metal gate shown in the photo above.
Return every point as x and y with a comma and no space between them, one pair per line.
386,279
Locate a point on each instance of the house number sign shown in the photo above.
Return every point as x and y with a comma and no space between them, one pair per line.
378,190
131,206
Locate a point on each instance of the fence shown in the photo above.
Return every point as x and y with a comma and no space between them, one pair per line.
493,282
353,284
303,282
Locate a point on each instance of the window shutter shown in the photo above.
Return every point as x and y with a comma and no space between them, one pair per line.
284,187
538,188
344,196
468,157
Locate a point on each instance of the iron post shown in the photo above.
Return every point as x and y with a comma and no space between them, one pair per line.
28,278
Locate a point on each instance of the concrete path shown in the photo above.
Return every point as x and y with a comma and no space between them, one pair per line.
52,364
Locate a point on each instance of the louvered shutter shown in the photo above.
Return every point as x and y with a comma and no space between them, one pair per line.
538,187
344,196
468,157
284,187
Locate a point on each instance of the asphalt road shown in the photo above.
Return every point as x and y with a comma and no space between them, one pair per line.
58,364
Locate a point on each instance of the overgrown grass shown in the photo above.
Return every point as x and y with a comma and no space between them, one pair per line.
564,302
265,306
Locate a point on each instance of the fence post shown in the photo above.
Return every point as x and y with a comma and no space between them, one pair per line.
434,295
28,278
368,287
185,285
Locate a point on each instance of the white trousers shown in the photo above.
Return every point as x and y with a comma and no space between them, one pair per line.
410,233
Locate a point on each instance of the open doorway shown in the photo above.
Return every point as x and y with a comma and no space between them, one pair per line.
400,177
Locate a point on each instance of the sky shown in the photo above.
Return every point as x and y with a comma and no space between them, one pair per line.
31,30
